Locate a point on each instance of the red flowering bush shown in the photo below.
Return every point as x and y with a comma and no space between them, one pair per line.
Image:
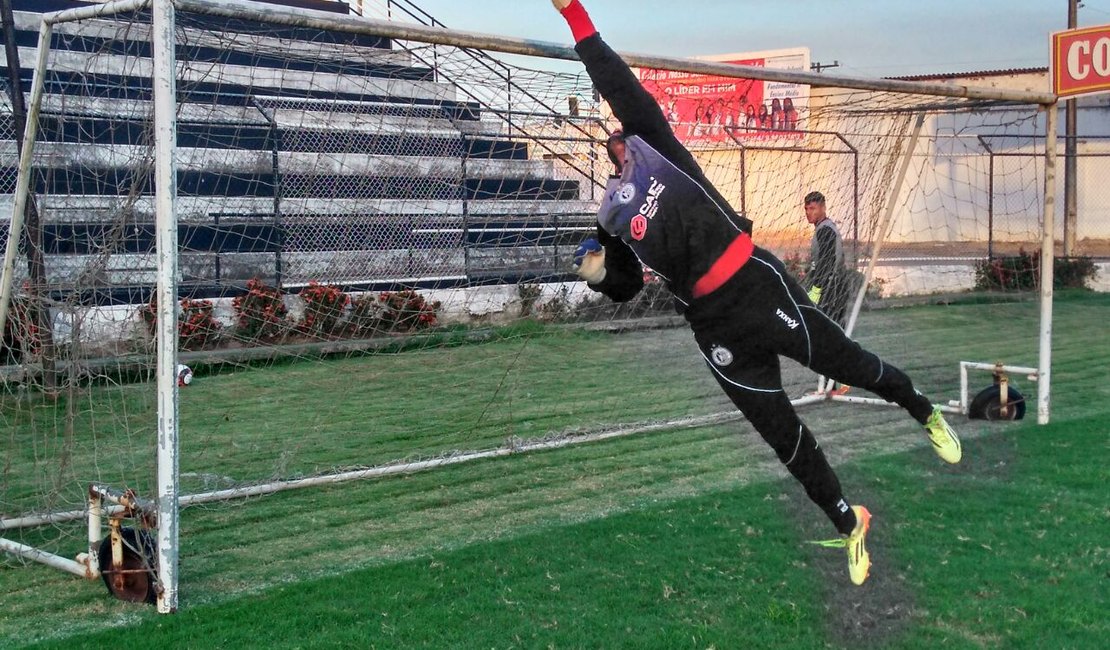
1018,272
366,315
21,334
324,306
393,311
407,311
260,312
196,326
1023,272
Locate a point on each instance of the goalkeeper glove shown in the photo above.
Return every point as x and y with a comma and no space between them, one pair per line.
589,261
815,295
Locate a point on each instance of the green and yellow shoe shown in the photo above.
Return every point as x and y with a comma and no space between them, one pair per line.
859,561
945,441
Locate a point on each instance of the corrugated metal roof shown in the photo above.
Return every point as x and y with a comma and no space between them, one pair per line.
977,73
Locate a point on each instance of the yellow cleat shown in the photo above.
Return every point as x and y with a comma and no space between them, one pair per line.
945,441
859,561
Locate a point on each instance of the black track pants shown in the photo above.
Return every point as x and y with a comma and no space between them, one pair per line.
770,316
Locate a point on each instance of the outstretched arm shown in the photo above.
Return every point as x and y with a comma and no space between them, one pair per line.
637,110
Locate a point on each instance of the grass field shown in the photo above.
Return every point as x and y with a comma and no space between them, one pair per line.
682,538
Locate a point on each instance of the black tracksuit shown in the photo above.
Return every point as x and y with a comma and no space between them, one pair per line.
826,270
743,307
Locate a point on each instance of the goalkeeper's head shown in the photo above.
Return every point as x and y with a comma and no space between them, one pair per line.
815,208
614,146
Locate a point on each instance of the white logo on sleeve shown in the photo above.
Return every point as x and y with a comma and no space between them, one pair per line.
720,355
790,322
626,193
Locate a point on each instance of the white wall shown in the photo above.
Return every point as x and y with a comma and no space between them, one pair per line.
946,197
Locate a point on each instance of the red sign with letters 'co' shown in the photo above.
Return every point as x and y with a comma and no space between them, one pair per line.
1081,61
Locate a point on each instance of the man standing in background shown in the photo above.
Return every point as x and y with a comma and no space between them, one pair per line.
827,280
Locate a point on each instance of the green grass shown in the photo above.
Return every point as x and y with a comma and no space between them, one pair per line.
247,425
1004,553
687,538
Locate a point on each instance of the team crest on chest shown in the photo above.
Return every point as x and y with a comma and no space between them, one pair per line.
720,355
626,193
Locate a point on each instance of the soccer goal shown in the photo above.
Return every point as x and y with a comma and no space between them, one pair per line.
254,248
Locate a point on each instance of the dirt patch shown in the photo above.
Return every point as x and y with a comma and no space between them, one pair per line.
874,614
989,450
883,609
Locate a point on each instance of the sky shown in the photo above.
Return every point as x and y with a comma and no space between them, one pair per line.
868,38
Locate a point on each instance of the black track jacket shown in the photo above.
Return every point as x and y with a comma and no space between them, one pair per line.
662,212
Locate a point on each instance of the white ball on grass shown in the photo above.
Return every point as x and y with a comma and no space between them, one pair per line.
184,375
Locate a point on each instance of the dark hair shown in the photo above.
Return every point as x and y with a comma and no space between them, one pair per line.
815,197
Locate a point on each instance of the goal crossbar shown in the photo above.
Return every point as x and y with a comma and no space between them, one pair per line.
526,47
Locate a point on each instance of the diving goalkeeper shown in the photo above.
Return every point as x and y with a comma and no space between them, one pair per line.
660,211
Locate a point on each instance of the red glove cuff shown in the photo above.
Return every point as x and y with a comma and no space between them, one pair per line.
580,24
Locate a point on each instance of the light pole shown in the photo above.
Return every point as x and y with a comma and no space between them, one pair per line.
1070,161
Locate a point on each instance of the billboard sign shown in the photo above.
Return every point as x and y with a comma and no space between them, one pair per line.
703,109
1080,60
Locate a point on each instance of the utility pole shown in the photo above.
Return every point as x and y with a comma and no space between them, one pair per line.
817,66
1071,166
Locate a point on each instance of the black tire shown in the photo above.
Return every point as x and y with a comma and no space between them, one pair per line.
987,405
137,580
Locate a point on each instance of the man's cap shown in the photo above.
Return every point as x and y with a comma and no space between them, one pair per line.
815,197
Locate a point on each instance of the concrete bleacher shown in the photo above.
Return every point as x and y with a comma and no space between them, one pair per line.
350,165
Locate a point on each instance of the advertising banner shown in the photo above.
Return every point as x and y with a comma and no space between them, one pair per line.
1080,61
704,109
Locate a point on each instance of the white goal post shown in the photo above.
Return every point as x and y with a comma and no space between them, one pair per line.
168,499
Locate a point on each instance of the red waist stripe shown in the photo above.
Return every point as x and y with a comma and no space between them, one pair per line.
735,256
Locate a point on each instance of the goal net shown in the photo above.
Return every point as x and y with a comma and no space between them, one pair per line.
374,231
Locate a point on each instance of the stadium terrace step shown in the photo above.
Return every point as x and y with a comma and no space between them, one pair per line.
204,48
196,87
389,137
385,118
320,233
101,209
321,186
215,25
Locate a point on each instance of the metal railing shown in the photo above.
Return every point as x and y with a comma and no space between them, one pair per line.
494,66
1083,229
